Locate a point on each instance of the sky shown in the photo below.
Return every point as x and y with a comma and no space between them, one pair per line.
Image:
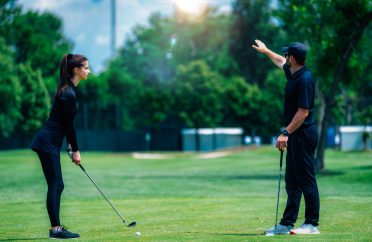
87,23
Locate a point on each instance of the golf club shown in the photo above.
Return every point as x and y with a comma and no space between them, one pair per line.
132,224
280,177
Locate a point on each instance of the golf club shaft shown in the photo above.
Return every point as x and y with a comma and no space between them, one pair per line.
82,168
277,202
132,224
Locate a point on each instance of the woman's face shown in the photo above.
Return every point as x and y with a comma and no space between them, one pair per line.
83,71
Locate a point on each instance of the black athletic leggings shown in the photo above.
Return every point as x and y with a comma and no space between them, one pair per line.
52,171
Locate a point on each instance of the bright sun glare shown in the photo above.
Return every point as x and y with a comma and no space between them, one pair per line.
193,7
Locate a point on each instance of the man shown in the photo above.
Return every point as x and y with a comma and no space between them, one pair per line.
299,137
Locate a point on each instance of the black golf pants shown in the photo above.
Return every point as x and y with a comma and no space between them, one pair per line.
52,171
300,177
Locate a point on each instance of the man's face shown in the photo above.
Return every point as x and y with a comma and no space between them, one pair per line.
288,59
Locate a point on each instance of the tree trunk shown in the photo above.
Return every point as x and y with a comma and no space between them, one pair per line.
319,161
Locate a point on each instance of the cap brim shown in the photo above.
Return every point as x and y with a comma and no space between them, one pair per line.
285,49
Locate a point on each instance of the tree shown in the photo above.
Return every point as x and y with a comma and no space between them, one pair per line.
10,91
35,99
152,106
257,110
361,104
122,92
153,53
198,92
8,9
332,29
204,38
241,104
271,108
146,67
37,38
252,19
144,54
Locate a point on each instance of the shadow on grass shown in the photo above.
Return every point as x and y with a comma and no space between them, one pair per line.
243,234
28,239
214,177
363,167
328,173
229,234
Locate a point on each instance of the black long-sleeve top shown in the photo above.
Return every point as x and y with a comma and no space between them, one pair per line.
60,123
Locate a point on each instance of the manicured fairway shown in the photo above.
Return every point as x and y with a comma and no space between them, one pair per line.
181,197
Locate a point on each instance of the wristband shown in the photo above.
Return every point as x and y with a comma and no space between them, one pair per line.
285,132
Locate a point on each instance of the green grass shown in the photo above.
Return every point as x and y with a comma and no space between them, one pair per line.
182,198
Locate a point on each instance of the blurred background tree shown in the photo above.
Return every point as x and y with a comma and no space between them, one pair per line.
32,45
10,91
36,101
253,20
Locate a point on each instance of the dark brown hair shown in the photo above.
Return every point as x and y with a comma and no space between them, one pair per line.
68,63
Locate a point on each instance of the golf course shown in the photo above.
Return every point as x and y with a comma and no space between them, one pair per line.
224,196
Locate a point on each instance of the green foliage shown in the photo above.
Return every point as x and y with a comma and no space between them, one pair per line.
42,32
96,106
144,55
187,60
198,92
252,20
242,104
257,110
32,45
8,10
321,24
359,65
35,99
205,38
153,53
10,91
152,106
95,89
273,96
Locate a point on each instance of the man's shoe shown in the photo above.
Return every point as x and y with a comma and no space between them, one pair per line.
306,229
62,233
280,229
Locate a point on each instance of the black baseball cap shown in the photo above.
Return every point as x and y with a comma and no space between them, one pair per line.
297,50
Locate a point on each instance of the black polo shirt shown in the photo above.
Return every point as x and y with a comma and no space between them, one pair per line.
60,123
299,93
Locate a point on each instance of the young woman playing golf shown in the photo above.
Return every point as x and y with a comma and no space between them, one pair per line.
60,124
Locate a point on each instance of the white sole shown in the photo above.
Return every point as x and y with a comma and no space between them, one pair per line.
293,232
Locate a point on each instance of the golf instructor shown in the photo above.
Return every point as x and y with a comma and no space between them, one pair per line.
299,137
48,141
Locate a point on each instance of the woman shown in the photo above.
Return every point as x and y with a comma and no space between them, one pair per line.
48,141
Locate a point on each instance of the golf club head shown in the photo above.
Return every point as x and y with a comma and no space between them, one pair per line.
132,224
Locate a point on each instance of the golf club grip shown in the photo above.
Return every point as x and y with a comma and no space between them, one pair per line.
70,155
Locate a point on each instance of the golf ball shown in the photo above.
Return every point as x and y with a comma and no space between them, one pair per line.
138,233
